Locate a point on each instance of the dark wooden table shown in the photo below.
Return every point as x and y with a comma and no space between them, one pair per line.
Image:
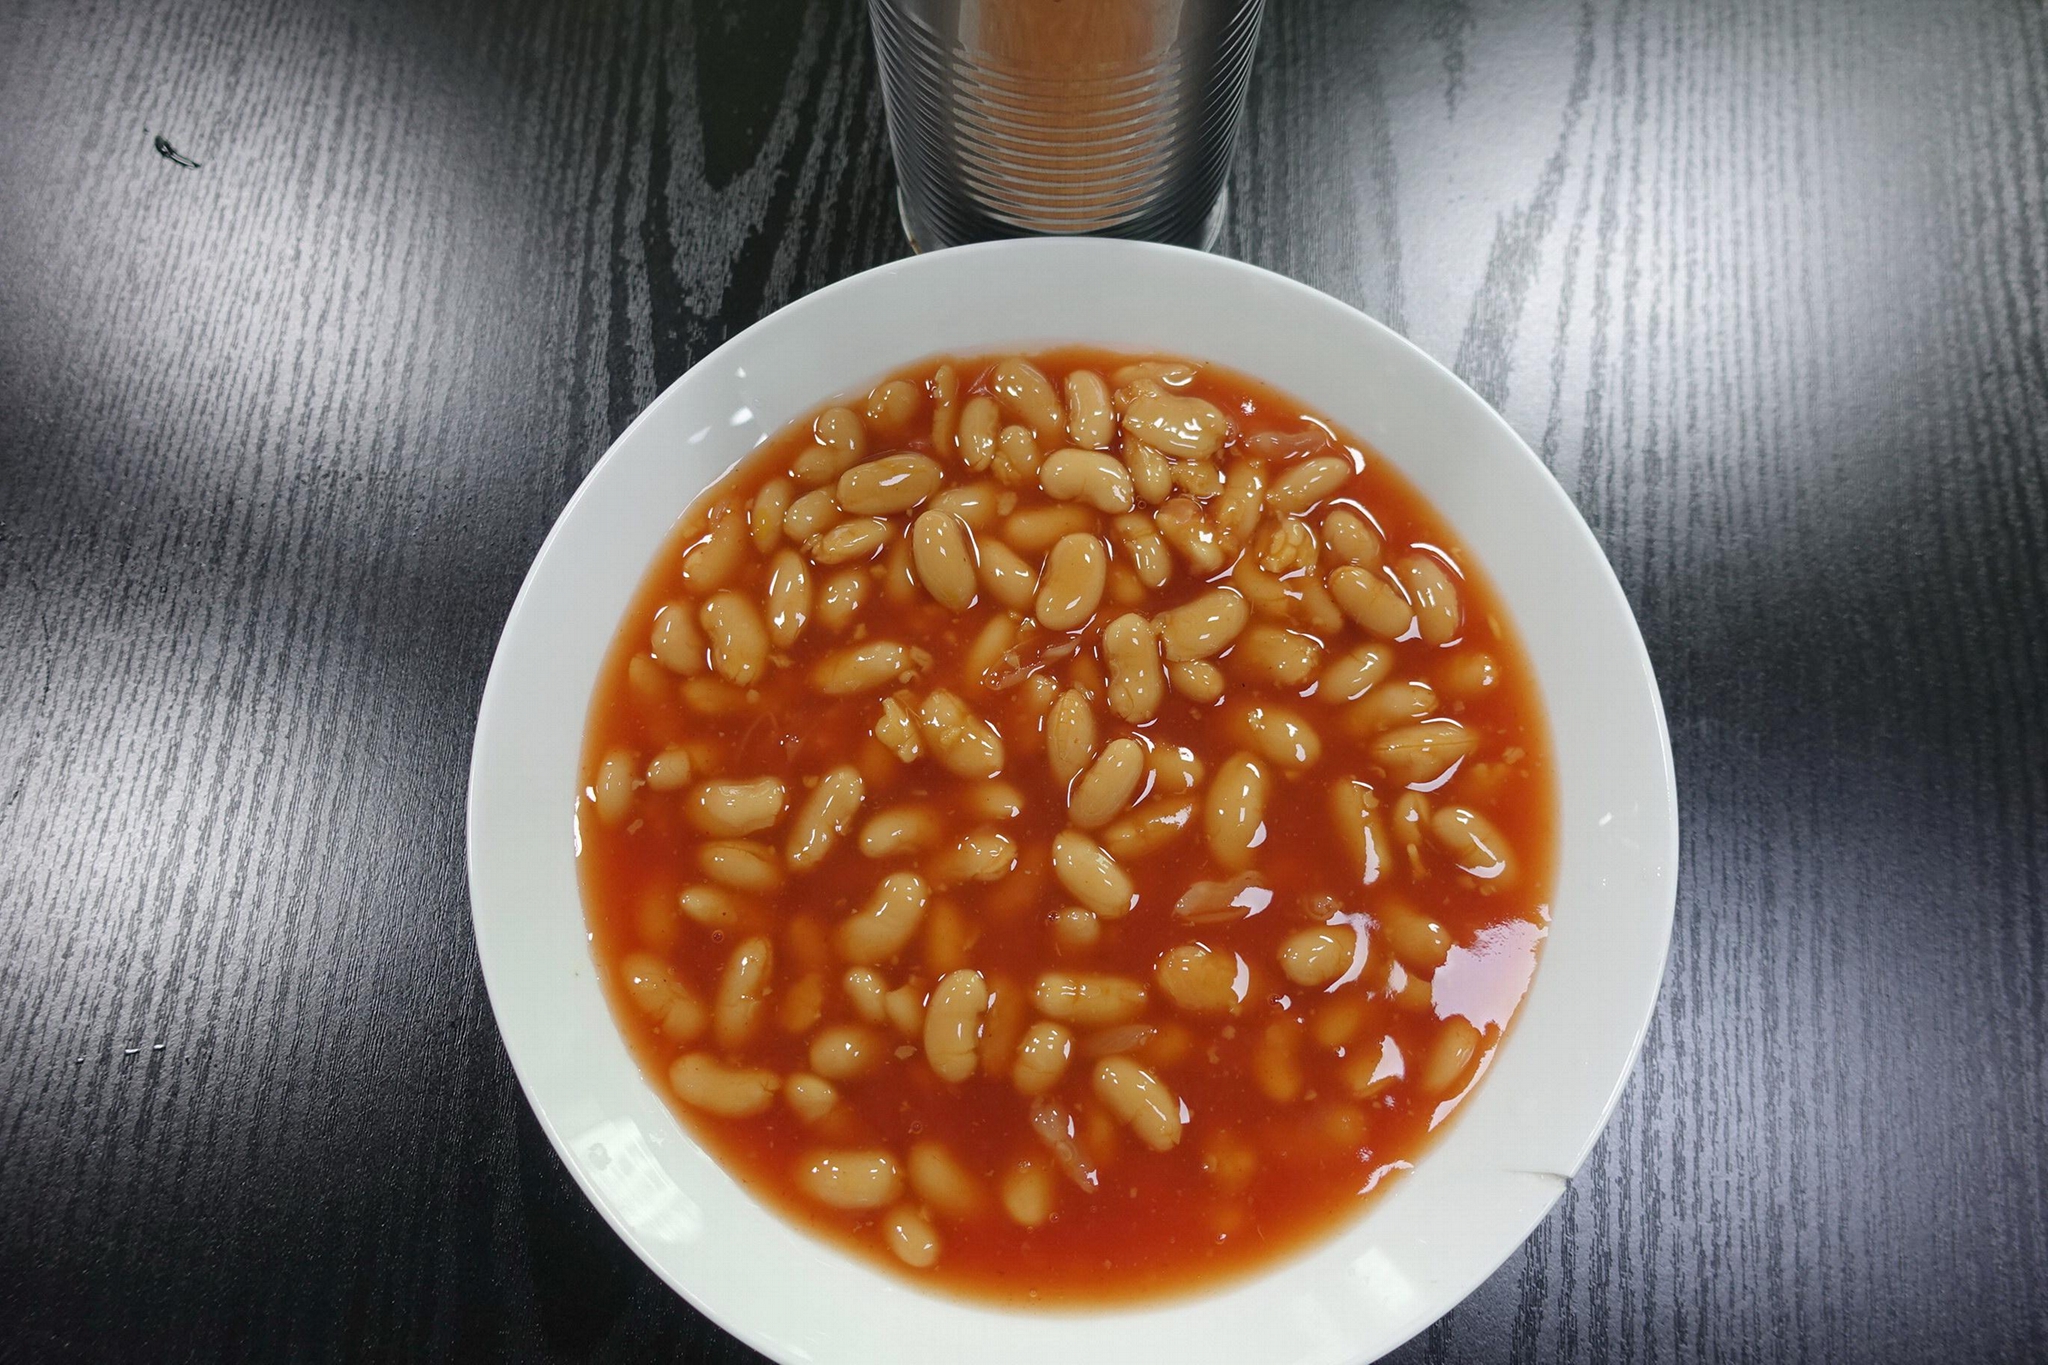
1765,283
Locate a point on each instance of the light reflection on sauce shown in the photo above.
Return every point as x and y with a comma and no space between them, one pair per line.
1486,981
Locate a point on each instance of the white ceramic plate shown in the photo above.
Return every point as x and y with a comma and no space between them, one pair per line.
1440,1229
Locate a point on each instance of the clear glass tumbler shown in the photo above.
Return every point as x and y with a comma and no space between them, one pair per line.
1017,118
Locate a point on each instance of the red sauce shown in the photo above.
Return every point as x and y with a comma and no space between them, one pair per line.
1300,1100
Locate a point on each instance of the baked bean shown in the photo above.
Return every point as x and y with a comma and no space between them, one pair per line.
1422,753
963,744
1199,480
1196,680
994,640
1354,810
1351,538
866,667
738,637
996,800
1089,476
1450,1056
1006,576
879,930
1283,736
944,554
980,420
1199,978
661,995
1387,705
764,517
942,1182
1091,1000
1017,457
1276,1062
1153,376
1435,595
1027,1193
951,1020
898,731
852,1180
741,989
1108,784
676,643
1478,848
809,1097
1372,601
1076,930
709,696
712,561
1023,388
1137,684
1182,525
825,815
1091,876
973,503
1140,1099
617,775
892,404
1200,628
733,1092
1071,587
1289,548
986,855
1316,957
890,484
845,1052
811,515
1283,658
858,540
714,907
728,809
1186,428
864,991
741,864
1419,942
1041,1058
945,392
904,1007
1355,672
1040,528
1070,735
1471,674
1235,817
844,595
1316,609
788,598
1151,472
1009,1010
1411,816
1240,504
1308,483
1176,768
1148,828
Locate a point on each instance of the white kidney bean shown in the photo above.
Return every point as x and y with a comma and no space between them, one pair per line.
1151,472
945,391
1198,978
1478,848
1140,1099
1070,735
1435,595
1371,601
1418,754
865,667
676,643
1355,672
964,744
740,864
852,1180
1198,629
810,515
1006,576
1093,477
788,598
738,637
1071,587
1041,1058
857,540
1090,999
893,483
1235,817
878,931
1387,705
764,517
1187,428
980,420
1108,784
899,830
973,503
1091,876
1351,538
660,995
1284,658
1090,420
1017,457
1023,388
951,1022
1137,683
824,816
892,403
733,1092
1282,736
729,809
741,989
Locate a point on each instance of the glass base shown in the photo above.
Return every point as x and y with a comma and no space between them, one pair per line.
1212,226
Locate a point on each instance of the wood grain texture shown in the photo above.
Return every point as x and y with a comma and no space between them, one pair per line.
1764,283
